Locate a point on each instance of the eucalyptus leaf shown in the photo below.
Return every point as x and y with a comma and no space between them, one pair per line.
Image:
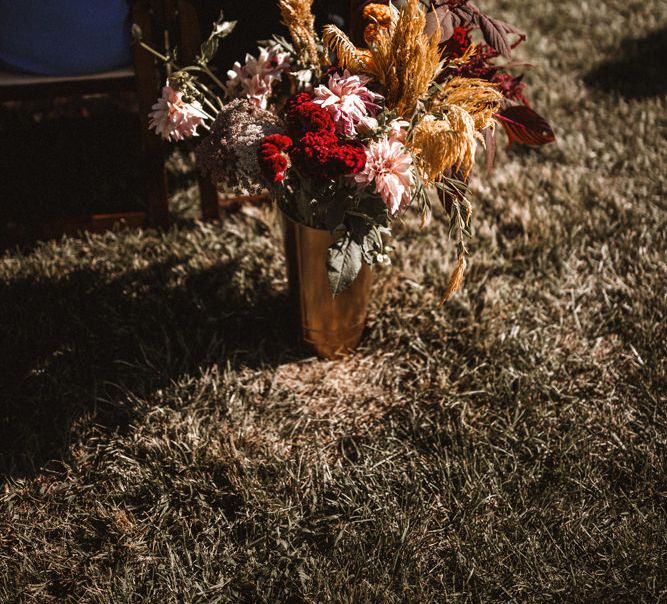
344,260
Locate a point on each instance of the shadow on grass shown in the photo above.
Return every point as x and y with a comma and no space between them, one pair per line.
82,346
637,69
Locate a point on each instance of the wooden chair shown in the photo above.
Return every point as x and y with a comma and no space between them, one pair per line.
163,23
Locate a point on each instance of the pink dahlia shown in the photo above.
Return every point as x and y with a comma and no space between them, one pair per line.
255,78
348,101
389,166
398,130
174,119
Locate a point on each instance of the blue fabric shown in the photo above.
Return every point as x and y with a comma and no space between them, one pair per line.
64,37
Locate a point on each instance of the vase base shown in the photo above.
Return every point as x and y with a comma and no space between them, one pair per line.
331,326
333,346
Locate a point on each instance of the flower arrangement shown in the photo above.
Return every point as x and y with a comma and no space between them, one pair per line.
348,137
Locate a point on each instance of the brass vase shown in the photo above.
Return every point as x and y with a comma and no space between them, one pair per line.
332,326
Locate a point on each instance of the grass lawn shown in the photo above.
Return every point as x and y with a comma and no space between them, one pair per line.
164,439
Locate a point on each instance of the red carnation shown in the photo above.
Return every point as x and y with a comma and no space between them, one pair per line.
308,117
273,156
298,99
320,156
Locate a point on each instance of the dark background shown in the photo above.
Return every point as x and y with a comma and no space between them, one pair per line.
265,17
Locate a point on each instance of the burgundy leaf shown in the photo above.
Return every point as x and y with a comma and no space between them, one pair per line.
440,18
525,126
509,29
448,3
463,15
495,35
490,145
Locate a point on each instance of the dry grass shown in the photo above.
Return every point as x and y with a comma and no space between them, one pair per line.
405,60
298,17
445,144
164,439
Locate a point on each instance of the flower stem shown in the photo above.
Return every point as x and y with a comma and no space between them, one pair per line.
155,53
210,105
211,94
212,75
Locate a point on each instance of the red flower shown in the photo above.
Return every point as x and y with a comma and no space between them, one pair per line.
311,154
302,115
298,99
511,86
480,65
273,156
348,158
460,41
320,156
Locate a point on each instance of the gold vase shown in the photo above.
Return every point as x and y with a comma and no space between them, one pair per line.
332,326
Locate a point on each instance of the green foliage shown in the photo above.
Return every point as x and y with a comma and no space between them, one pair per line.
221,29
343,263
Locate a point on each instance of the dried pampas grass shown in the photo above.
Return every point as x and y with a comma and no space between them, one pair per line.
406,59
401,57
480,99
455,280
347,54
445,144
298,17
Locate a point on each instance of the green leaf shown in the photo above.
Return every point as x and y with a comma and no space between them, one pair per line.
375,209
357,227
209,49
334,216
371,246
343,264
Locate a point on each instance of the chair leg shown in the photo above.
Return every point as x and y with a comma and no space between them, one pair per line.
156,180
148,87
190,37
208,199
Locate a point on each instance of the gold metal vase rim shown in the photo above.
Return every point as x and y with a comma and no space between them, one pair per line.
305,226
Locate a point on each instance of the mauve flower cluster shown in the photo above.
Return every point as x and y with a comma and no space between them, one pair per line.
229,153
254,79
174,119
